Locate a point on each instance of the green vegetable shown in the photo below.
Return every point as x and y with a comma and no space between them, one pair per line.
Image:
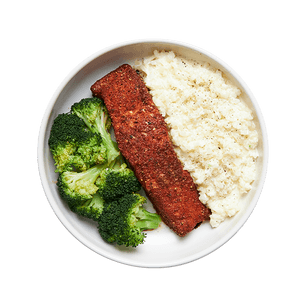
117,180
92,208
76,188
95,115
72,144
124,220
94,179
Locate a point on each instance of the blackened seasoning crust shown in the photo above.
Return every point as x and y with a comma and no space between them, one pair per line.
143,139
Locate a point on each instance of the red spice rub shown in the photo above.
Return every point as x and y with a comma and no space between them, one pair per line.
143,139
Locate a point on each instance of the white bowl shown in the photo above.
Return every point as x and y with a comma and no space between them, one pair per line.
162,247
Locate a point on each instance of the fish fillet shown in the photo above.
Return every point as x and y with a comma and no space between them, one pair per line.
143,139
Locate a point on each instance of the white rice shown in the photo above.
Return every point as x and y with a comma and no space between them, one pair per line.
211,128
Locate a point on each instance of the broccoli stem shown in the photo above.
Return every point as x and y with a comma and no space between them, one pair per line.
91,174
147,220
84,178
112,151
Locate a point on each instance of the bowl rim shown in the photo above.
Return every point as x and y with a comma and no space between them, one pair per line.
69,226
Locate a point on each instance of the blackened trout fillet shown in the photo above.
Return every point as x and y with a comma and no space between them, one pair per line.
143,139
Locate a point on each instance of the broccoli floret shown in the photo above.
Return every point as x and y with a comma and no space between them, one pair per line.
95,115
92,208
78,187
116,181
124,220
72,144
89,153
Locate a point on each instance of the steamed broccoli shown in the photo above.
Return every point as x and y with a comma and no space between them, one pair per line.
117,180
95,115
76,188
124,220
73,145
94,179
92,208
